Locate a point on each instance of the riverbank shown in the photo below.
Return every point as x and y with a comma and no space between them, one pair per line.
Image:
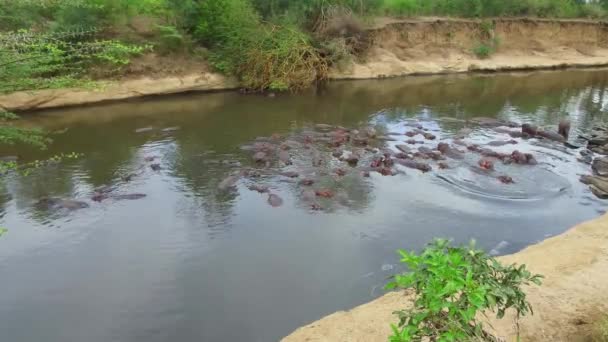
397,48
572,297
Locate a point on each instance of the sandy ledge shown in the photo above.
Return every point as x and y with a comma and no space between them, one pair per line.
573,295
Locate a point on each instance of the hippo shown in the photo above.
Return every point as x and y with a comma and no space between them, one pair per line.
260,157
129,197
385,138
285,158
449,151
264,147
309,195
290,174
228,183
529,129
401,155
155,167
403,148
353,159
429,136
411,134
551,136
259,188
522,158
425,150
443,165
307,182
315,207
486,164
424,167
337,153
325,193
274,200
386,171
502,142
340,172
52,203
150,158
505,179
564,128
129,177
486,152
99,196
370,132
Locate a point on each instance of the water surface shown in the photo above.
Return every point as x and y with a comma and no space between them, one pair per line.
192,263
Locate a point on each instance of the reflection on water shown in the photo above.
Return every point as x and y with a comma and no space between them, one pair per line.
192,262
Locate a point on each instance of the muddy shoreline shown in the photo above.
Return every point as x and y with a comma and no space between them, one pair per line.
572,297
413,47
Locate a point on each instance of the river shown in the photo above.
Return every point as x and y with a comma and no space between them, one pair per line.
192,262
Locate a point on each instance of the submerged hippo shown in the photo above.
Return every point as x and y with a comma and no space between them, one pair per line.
412,164
449,151
52,203
228,182
260,157
505,179
285,157
529,129
564,128
502,142
551,136
259,188
275,200
129,197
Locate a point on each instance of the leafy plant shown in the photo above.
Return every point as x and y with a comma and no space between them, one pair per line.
30,60
483,50
3,231
452,286
11,135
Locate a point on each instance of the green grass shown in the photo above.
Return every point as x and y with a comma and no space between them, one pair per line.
600,331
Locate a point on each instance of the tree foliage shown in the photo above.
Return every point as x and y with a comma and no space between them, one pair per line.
453,285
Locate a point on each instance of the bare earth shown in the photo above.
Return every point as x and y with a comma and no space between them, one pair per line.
573,295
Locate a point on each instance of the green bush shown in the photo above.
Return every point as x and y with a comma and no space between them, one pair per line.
452,286
482,50
56,60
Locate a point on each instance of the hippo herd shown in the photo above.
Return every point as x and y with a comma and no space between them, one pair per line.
309,156
597,143
100,194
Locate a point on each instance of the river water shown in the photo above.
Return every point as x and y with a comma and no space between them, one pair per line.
192,262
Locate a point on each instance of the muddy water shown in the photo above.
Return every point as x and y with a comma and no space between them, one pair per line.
191,262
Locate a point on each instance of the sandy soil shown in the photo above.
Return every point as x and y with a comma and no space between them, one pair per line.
435,45
574,294
399,47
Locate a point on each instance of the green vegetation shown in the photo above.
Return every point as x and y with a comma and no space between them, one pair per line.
267,44
453,285
497,8
599,332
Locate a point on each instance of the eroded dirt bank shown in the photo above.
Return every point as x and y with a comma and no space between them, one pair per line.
398,48
573,295
434,45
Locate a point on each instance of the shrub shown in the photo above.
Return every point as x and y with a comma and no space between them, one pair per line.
54,60
482,50
452,285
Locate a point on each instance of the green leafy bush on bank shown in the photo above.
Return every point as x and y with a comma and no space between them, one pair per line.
453,285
